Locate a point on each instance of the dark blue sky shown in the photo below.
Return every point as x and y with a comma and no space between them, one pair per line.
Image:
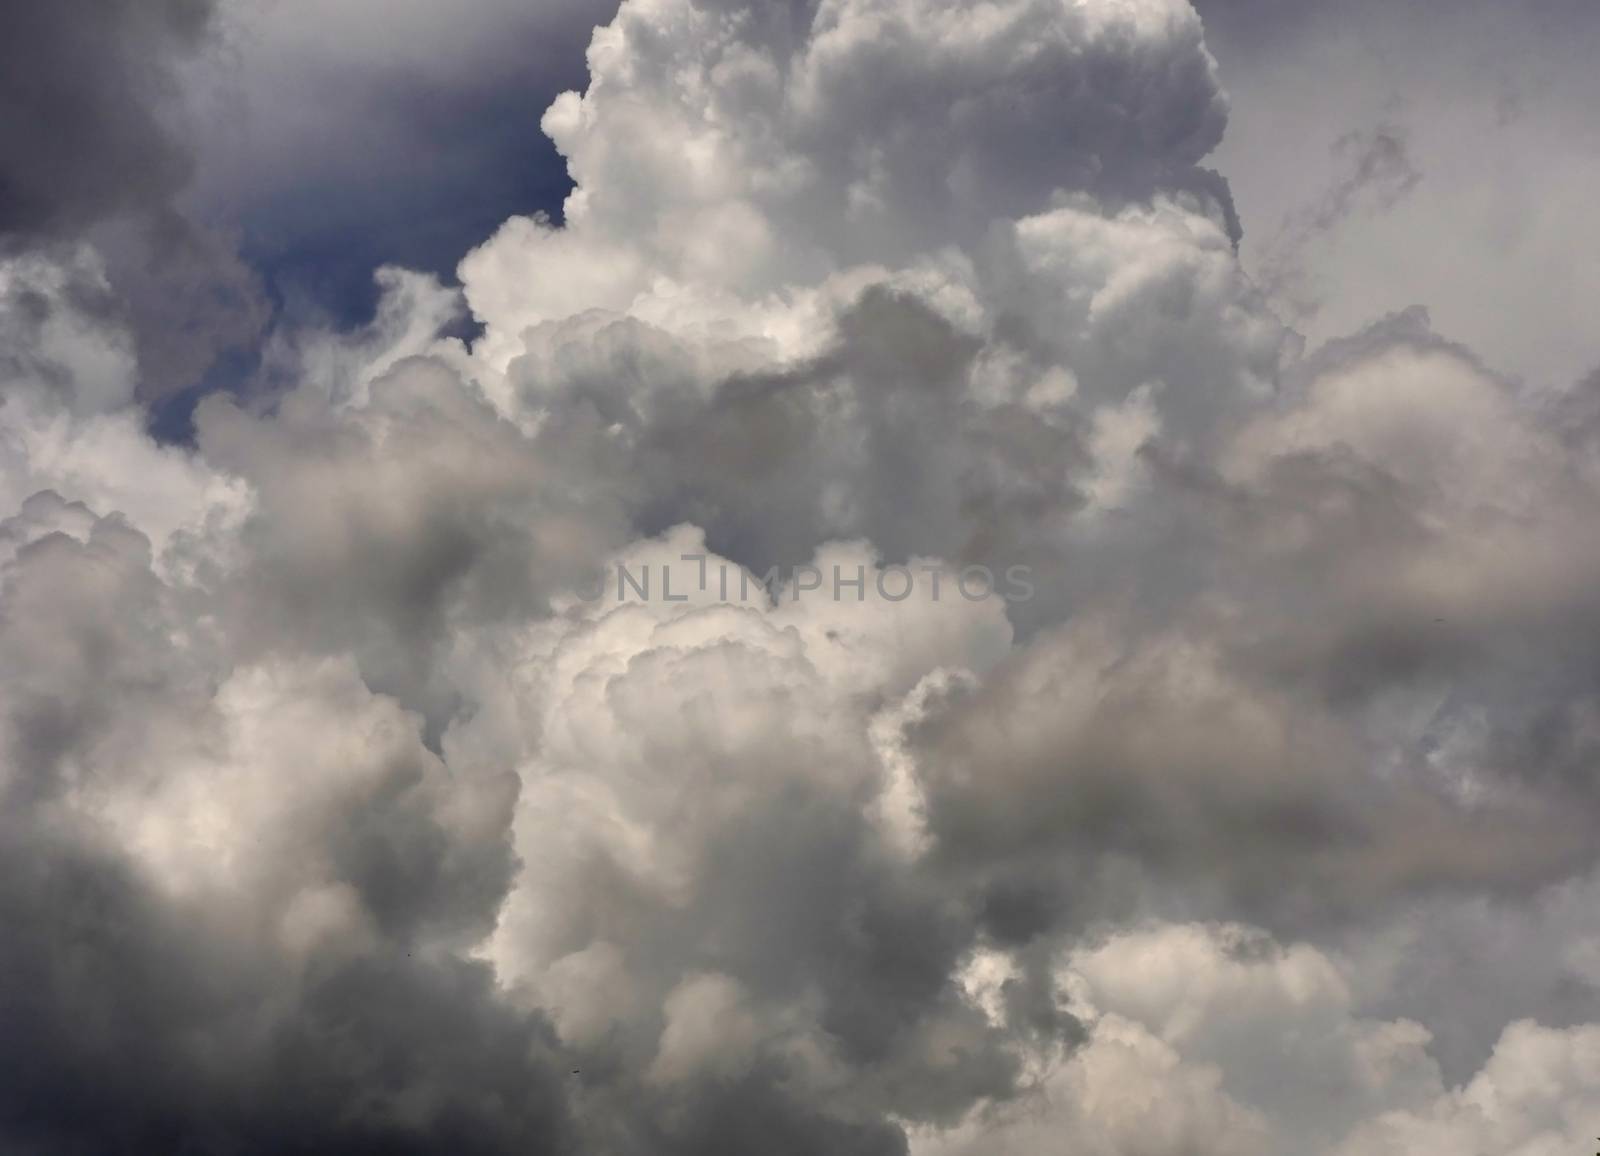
320,155
327,150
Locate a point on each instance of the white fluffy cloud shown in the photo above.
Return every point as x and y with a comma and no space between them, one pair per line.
1536,1094
334,782
1216,1039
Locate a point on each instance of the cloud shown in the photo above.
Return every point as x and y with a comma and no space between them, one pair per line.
1216,1039
1528,1098
331,149
1486,96
90,145
588,737
1378,173
252,876
86,137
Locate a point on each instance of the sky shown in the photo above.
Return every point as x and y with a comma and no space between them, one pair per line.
902,577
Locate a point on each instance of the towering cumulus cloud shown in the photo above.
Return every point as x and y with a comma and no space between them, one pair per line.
885,644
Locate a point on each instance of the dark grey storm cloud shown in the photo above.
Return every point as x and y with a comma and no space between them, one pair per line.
221,166
84,90
91,149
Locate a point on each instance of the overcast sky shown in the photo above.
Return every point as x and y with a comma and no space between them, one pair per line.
896,577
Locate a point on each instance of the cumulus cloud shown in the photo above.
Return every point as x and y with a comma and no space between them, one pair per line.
884,643
1217,1039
